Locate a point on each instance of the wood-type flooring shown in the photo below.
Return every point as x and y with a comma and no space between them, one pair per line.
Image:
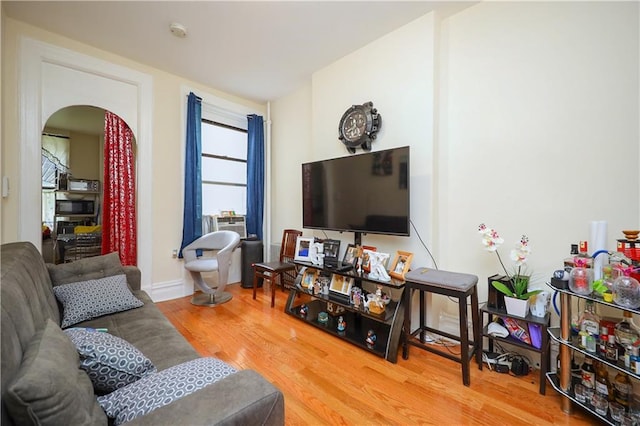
327,381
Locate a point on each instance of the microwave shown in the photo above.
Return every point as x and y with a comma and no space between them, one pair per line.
84,207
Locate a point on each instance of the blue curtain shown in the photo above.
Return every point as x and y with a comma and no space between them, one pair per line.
192,214
255,175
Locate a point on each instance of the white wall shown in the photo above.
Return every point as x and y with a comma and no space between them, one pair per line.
540,128
523,115
396,73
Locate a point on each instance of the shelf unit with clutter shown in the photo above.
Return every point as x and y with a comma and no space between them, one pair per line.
617,293
327,299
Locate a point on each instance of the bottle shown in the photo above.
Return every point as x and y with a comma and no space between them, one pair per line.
607,277
588,373
604,339
589,324
611,352
625,333
622,389
635,359
603,384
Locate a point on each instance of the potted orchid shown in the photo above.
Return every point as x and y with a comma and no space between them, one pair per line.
517,290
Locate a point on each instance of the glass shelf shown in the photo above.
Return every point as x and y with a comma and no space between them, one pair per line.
555,383
594,299
554,333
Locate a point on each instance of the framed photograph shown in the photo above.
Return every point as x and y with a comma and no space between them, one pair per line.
303,244
351,255
401,264
366,257
341,284
309,278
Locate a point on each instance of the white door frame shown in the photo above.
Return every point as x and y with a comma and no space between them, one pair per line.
51,78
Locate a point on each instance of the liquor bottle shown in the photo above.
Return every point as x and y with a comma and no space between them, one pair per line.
588,373
589,323
604,339
611,349
622,389
625,333
603,384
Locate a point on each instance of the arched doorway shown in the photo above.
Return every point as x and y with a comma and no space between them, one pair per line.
54,78
73,167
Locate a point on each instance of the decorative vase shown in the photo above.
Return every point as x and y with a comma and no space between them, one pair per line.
517,307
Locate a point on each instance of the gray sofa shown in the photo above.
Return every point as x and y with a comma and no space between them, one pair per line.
28,302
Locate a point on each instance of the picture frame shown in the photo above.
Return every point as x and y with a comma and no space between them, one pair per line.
351,255
331,249
366,259
401,264
341,284
309,278
303,252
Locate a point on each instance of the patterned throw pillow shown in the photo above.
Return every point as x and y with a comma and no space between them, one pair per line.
110,362
86,300
162,388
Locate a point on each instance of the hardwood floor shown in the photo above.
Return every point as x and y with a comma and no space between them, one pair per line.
326,381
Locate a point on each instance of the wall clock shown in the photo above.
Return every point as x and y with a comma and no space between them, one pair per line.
358,126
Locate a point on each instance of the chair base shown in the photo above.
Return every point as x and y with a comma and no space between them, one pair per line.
211,299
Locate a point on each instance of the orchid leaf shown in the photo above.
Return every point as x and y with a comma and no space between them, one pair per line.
502,288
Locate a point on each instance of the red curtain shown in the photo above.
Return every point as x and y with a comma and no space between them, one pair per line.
119,206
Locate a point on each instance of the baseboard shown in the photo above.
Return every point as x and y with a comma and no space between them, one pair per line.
167,290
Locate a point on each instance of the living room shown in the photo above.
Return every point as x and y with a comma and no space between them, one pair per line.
520,115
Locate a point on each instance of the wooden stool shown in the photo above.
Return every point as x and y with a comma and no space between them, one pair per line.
450,284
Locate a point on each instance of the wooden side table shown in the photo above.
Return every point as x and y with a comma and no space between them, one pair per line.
543,322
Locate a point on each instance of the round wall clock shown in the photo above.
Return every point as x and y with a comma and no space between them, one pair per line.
358,126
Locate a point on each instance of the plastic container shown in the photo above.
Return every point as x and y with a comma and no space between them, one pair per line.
626,292
581,280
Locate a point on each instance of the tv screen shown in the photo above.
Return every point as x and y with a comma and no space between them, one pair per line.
367,193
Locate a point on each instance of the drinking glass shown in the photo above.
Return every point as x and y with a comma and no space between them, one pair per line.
600,404
617,411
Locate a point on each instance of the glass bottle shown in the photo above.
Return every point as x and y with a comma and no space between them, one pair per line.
603,384
611,349
604,339
625,333
622,389
588,373
589,323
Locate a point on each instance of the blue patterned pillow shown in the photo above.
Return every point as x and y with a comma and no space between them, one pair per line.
90,299
110,362
162,388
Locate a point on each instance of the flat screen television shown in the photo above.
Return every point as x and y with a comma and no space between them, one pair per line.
363,193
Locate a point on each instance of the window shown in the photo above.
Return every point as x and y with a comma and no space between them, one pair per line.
224,168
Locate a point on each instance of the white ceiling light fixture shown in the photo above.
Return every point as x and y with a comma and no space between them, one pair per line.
178,30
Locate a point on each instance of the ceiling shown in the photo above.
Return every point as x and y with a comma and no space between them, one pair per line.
260,50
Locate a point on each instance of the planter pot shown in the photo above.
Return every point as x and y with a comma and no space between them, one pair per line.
517,307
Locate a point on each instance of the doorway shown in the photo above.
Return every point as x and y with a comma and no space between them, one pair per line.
53,78
72,183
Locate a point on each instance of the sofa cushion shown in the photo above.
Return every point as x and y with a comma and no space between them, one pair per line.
162,388
110,362
49,387
90,268
85,300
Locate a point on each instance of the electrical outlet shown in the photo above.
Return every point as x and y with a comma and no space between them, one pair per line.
175,253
